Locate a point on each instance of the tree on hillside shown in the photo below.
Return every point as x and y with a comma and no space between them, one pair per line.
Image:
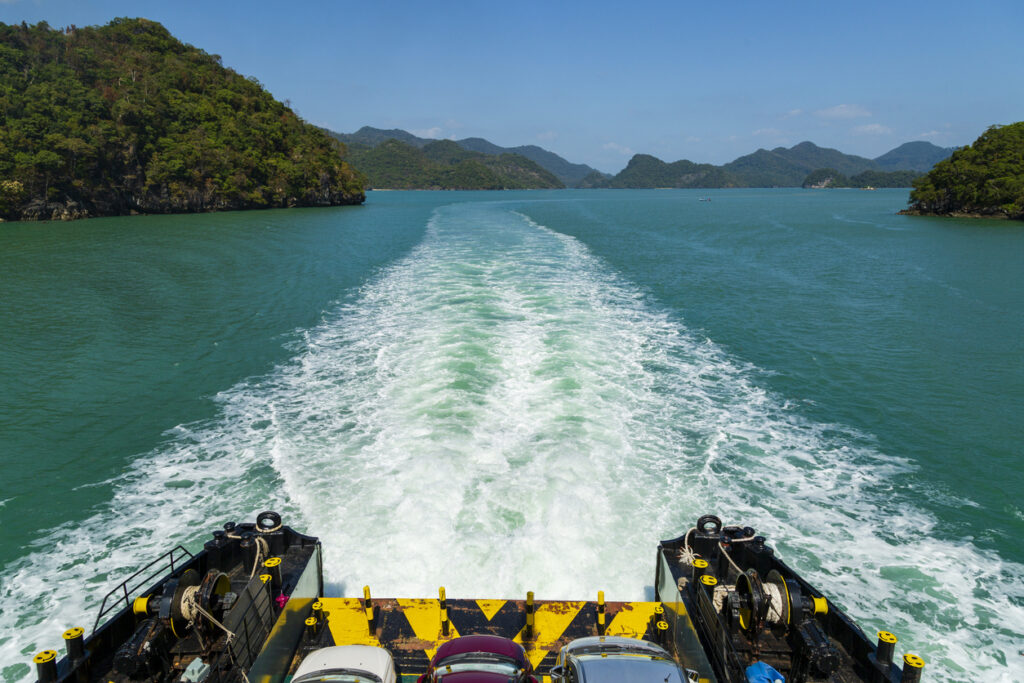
124,117
985,178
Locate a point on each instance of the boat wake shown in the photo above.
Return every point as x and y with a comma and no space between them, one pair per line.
499,412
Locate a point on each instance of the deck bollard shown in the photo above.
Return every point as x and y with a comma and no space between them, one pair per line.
528,631
74,643
46,666
272,566
368,609
886,645
445,624
913,666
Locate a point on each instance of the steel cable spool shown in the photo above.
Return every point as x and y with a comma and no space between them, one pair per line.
173,599
753,603
205,601
763,604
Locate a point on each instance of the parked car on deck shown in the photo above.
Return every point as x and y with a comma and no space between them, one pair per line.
479,659
615,659
347,664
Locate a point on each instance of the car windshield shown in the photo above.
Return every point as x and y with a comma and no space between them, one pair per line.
476,661
339,676
628,668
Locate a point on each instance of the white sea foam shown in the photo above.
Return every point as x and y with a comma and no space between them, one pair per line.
500,412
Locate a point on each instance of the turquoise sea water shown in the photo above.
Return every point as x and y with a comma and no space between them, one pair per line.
449,387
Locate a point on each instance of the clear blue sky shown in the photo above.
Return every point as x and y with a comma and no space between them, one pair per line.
598,81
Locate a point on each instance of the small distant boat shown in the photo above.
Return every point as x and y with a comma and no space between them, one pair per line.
704,199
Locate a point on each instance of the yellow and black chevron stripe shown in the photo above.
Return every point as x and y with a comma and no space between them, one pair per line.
412,629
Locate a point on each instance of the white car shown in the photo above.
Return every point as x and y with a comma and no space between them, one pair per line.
347,664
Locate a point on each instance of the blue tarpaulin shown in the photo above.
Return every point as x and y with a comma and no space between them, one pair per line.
759,672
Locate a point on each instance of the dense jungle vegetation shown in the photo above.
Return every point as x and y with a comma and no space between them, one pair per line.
445,165
985,178
125,118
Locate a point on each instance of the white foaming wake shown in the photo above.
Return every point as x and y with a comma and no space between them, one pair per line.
498,412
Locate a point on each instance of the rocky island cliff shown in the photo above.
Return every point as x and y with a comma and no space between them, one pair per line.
124,118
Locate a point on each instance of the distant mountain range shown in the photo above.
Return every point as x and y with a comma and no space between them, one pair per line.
779,167
444,165
568,174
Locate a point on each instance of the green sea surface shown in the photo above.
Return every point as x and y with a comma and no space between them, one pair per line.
458,382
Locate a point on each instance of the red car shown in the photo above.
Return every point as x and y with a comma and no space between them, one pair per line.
479,659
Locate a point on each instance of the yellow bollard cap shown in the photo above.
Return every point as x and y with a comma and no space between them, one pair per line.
913,660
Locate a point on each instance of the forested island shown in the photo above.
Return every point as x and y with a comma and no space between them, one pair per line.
444,165
985,179
801,165
395,158
400,166
124,118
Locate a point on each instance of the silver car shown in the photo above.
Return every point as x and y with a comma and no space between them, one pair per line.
615,659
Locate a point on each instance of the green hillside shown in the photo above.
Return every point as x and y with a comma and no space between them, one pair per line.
125,118
644,170
567,173
783,167
913,156
444,165
779,167
983,179
368,136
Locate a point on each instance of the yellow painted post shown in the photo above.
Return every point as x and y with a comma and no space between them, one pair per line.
602,618
886,645
528,632
46,666
74,643
445,624
700,568
272,566
662,629
368,609
311,627
913,666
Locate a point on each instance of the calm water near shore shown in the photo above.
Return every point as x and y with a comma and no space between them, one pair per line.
445,387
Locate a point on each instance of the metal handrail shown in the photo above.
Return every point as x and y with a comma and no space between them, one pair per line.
168,560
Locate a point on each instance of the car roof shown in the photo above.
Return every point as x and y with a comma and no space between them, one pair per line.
376,660
482,643
475,677
627,669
